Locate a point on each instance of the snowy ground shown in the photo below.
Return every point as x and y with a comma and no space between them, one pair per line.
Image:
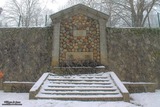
138,100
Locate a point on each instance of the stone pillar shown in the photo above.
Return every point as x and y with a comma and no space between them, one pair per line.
103,44
1,83
55,50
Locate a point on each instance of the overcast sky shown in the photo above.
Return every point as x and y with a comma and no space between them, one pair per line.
2,3
55,5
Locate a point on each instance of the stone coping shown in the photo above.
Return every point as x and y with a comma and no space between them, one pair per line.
121,87
81,67
36,87
18,82
139,83
138,87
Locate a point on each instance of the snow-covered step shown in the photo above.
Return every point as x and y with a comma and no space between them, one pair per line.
81,97
80,76
86,95
81,89
79,79
71,84
80,85
81,82
81,92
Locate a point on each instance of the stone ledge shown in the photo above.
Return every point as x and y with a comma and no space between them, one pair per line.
16,86
138,87
77,70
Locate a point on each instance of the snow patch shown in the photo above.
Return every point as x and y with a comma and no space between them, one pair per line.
139,100
100,67
147,99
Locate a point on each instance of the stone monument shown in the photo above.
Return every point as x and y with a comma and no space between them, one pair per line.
79,34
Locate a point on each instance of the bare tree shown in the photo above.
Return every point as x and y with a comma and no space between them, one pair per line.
90,3
106,6
23,12
138,10
122,12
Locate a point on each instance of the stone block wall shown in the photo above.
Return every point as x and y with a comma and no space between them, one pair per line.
25,53
134,53
79,34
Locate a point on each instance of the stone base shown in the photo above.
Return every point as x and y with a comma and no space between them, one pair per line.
77,70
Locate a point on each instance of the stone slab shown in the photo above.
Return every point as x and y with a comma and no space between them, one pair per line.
79,55
79,33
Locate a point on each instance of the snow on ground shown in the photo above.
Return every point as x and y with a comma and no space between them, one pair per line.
139,100
147,99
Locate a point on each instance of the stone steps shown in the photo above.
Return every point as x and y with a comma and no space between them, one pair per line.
80,87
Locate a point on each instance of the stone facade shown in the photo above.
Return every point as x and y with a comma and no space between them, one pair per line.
86,39
79,33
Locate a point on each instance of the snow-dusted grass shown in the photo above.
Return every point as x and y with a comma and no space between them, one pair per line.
139,100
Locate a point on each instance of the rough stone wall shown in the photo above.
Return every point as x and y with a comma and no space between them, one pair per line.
134,53
88,42
25,53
